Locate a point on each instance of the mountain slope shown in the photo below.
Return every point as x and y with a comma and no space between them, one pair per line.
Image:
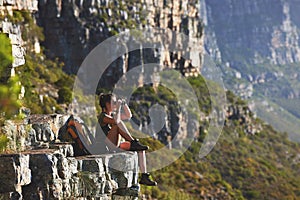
258,49
261,165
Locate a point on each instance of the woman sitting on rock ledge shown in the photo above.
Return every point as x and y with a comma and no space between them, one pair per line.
110,120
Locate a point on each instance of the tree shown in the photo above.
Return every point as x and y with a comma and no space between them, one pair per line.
5,55
9,88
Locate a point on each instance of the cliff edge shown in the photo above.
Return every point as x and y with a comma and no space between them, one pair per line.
45,168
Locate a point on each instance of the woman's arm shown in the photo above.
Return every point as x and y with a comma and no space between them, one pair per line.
127,112
119,116
107,119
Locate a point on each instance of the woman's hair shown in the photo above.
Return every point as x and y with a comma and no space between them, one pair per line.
104,98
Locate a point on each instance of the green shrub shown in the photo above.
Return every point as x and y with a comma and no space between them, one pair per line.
9,101
3,142
252,194
5,53
64,95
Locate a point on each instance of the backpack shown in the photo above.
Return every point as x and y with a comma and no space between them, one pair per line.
78,133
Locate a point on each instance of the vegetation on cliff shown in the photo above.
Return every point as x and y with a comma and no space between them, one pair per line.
46,88
44,81
9,87
263,165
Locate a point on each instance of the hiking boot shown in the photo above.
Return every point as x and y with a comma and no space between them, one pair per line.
135,145
145,180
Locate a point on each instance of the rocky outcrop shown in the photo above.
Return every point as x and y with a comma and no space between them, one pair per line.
10,5
14,33
14,29
239,115
51,174
45,168
168,124
242,116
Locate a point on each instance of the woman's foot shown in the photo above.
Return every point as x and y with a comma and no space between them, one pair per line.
135,145
145,180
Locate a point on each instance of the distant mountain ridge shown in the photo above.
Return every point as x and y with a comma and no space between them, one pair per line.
258,31
256,44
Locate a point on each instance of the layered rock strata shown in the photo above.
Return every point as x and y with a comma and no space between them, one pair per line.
74,28
14,30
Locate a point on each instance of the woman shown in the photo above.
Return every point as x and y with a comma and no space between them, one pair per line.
111,122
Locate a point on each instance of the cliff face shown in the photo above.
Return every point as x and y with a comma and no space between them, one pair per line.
13,30
10,5
73,28
254,30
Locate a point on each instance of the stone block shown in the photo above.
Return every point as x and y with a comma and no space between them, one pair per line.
123,168
64,148
9,2
15,172
11,196
44,132
91,164
49,174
